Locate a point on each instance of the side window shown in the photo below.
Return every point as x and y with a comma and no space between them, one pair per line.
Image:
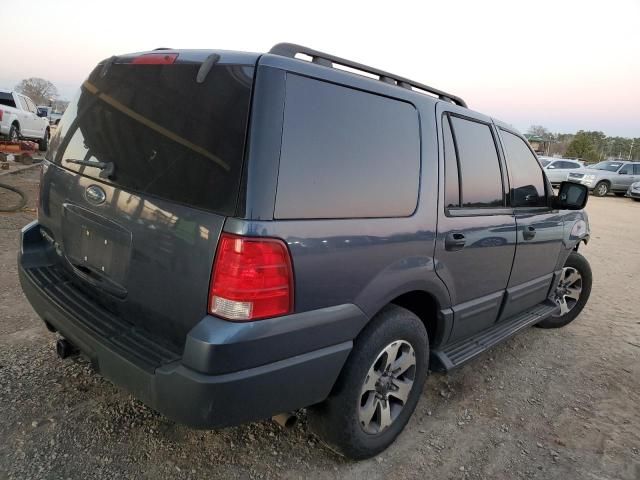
627,169
527,179
346,153
451,176
23,103
30,105
479,167
636,169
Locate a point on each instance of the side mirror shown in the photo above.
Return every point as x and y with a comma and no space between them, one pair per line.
551,167
42,114
571,196
622,172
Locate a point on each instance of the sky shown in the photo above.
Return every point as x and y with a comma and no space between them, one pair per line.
564,64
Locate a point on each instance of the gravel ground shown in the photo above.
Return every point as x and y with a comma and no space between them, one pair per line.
548,404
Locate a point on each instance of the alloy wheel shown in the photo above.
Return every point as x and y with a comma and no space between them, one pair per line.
387,386
568,290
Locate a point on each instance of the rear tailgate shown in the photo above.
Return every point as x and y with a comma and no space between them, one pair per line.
145,167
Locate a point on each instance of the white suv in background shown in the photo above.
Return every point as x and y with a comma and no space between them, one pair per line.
558,169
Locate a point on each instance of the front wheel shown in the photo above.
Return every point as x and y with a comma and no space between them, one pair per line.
601,189
43,143
572,292
378,388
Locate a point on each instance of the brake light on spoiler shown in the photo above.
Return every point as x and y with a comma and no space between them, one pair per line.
252,278
155,59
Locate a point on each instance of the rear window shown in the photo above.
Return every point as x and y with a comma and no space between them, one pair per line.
346,153
160,132
7,100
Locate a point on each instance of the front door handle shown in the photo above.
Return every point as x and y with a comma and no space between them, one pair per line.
454,241
528,233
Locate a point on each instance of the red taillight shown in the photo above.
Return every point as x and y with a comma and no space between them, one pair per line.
251,279
155,59
1,114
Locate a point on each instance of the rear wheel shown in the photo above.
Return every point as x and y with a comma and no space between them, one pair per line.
14,133
601,189
378,388
572,292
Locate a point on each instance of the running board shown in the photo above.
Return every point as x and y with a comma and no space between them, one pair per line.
453,355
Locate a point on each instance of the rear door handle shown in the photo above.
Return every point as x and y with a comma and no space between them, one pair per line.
528,233
454,241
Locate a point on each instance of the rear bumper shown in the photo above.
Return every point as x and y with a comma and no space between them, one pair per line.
268,376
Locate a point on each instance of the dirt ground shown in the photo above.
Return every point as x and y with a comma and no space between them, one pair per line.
547,404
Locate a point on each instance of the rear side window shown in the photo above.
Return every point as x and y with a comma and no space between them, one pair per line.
451,175
527,179
164,134
636,169
479,166
7,100
346,153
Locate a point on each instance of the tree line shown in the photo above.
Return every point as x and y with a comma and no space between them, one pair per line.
592,146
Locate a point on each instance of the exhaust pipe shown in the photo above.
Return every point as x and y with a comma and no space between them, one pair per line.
65,349
285,420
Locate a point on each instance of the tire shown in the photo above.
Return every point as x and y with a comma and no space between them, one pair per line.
578,263
637,199
601,189
14,133
619,194
338,420
43,143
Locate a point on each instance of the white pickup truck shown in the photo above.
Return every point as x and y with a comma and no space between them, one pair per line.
19,119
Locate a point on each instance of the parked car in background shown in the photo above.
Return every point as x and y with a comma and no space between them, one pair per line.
610,176
557,170
19,119
634,191
292,235
53,116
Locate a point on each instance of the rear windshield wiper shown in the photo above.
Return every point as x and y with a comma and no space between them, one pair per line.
107,168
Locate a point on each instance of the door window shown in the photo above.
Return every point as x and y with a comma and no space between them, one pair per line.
479,174
636,169
451,174
527,179
30,105
627,170
23,103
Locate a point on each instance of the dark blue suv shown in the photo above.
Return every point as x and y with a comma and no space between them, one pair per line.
232,236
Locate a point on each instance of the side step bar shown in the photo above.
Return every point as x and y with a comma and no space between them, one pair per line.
453,355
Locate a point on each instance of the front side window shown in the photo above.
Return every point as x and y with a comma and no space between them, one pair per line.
480,177
626,170
527,179
636,169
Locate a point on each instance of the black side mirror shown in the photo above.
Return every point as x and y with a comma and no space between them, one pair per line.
42,113
622,172
571,196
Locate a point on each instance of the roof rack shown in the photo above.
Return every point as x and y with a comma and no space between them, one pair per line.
327,60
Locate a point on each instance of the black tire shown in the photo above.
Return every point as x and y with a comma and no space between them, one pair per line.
637,199
619,194
336,420
581,264
43,143
601,189
14,133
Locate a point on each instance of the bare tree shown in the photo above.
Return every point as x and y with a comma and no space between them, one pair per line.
41,91
540,131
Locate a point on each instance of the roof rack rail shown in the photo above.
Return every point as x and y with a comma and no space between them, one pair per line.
327,60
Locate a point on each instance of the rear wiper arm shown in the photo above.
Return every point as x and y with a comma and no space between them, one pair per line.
107,168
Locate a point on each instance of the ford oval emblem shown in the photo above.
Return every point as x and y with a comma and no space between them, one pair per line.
94,194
